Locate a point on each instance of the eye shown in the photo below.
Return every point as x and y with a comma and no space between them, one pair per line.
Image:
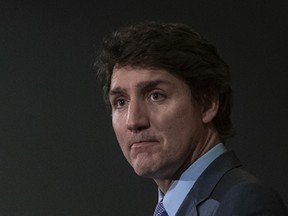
119,103
156,96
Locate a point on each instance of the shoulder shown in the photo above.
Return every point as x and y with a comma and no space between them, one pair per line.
225,189
240,193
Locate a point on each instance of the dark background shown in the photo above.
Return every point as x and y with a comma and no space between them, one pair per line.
58,154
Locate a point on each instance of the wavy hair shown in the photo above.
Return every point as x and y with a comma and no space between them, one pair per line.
177,49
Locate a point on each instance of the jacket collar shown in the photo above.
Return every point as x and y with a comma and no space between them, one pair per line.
207,181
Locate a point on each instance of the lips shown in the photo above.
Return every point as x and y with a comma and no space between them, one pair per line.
143,146
143,142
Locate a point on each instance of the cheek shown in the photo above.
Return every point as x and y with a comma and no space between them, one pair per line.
171,122
118,128
178,125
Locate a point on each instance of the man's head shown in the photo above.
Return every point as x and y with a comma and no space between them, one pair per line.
177,49
169,94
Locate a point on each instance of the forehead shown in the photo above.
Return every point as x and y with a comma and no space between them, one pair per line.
128,77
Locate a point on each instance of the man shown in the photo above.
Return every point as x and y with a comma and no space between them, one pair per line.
170,99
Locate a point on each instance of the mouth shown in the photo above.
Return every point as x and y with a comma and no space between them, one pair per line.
143,144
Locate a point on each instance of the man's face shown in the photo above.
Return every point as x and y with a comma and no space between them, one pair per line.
156,123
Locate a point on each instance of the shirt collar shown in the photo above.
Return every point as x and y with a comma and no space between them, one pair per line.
180,188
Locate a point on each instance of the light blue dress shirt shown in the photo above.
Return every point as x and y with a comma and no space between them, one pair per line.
180,188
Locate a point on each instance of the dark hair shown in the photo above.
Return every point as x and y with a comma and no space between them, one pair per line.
177,49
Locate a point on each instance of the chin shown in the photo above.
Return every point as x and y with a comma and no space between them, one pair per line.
142,173
151,173
147,172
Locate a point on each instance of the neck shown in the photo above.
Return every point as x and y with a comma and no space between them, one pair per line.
211,140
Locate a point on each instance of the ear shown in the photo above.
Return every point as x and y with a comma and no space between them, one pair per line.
210,110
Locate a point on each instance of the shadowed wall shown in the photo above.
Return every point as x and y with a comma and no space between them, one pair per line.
58,153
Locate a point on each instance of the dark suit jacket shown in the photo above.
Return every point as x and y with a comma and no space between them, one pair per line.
224,189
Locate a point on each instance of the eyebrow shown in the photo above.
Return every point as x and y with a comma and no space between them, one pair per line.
143,86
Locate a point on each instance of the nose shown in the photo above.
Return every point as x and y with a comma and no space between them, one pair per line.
137,117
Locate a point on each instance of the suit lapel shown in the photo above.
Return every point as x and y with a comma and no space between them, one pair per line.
205,184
